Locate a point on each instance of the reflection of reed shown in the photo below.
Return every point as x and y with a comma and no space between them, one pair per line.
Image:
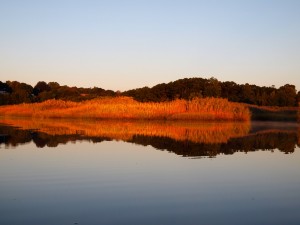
126,130
186,139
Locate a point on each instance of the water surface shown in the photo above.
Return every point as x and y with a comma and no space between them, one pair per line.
106,172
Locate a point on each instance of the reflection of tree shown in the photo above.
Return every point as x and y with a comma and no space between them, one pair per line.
285,141
13,136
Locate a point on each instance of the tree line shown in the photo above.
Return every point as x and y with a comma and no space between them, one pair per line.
14,92
190,88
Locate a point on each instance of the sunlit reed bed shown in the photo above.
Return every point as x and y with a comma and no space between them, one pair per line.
126,108
126,130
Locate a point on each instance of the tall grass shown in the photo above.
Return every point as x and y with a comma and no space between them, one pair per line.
127,108
196,132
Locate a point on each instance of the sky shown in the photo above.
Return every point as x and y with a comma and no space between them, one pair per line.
126,44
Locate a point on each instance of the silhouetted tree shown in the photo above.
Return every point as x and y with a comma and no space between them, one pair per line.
247,94
298,98
212,88
13,92
21,92
4,87
287,95
231,91
41,86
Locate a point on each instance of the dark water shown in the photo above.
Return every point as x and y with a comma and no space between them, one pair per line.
68,172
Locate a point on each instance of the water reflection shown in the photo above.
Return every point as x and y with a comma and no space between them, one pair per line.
114,182
185,139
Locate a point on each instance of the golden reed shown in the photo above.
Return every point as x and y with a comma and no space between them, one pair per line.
126,108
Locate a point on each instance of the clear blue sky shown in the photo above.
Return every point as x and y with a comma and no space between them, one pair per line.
121,45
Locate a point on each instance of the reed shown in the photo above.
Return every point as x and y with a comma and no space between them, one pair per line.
126,108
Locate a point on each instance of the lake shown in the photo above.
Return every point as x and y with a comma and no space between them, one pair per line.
64,172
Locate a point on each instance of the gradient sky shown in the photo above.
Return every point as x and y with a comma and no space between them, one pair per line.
121,45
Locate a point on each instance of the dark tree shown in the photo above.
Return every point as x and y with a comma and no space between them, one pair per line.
247,94
41,86
287,95
298,98
4,87
231,91
13,92
212,88
21,92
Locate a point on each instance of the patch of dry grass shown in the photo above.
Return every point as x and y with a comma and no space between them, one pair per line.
127,108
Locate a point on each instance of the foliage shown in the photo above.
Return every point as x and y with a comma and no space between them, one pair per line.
190,87
13,92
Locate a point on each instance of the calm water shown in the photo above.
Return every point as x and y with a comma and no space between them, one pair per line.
85,172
